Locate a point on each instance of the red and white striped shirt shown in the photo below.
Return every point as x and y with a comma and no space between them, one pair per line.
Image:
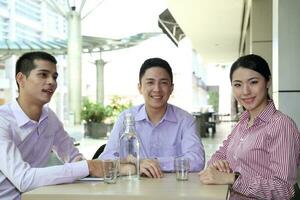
265,154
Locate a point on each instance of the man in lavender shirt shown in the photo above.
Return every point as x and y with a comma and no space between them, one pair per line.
29,130
165,130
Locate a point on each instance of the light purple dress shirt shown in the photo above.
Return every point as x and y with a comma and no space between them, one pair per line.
25,146
175,135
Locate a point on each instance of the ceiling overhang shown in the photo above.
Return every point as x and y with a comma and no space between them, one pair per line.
60,47
213,26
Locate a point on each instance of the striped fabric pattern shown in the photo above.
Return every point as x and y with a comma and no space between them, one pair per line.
266,155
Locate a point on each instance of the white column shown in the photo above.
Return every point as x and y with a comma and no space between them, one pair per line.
100,80
74,64
10,70
261,31
286,52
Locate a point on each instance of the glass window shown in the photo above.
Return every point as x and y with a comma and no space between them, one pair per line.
30,9
24,32
3,3
3,28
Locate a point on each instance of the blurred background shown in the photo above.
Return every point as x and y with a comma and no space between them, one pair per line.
101,44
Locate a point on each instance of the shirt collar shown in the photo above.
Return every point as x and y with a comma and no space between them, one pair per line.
168,116
22,118
265,115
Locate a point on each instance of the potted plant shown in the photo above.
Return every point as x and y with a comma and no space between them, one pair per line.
93,115
116,106
98,119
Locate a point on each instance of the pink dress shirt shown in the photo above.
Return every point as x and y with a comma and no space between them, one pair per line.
266,155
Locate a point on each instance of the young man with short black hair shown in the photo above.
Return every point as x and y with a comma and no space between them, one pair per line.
30,130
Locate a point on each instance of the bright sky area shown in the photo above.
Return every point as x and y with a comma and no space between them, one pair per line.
123,18
120,18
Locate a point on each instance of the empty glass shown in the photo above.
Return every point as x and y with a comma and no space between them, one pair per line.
182,168
110,171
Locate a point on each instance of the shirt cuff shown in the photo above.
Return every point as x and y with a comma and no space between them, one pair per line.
80,169
166,164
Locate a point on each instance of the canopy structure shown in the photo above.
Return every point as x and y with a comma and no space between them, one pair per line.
59,47
170,27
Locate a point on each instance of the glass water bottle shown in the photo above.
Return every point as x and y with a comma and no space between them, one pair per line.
130,149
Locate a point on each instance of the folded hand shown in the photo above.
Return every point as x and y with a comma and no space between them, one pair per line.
213,176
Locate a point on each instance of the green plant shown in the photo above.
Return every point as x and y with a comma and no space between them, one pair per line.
96,112
116,106
93,112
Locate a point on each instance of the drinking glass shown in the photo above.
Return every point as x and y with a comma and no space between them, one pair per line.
110,170
182,168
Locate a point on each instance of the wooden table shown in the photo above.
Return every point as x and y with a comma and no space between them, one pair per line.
166,188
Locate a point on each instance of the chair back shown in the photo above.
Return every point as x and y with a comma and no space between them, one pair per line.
99,151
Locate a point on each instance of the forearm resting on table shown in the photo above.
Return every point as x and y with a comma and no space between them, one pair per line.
95,168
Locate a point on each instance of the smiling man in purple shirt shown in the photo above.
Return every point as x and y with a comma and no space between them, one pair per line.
165,130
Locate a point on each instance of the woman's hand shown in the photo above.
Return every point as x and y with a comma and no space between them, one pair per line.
213,176
222,166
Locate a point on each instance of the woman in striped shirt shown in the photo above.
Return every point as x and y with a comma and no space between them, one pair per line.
259,159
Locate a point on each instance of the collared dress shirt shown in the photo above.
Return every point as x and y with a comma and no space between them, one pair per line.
25,146
175,135
266,155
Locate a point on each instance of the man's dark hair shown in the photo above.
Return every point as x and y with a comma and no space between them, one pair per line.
155,62
25,64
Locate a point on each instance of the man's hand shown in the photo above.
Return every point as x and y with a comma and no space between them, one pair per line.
95,168
126,168
222,166
213,176
150,168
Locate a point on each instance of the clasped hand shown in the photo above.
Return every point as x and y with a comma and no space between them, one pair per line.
217,173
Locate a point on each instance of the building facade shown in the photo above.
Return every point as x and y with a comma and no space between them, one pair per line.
29,20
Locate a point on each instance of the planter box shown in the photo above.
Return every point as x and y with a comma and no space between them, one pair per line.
96,130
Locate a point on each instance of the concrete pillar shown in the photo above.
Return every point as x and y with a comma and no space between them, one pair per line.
74,64
100,80
258,39
10,70
286,52
261,31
